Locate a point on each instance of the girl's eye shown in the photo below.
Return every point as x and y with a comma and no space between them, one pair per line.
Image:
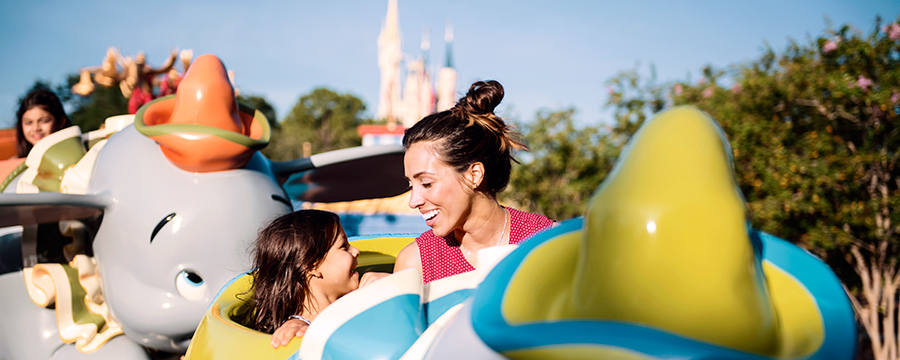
426,185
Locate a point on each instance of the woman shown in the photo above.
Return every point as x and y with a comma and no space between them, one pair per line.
40,114
303,264
456,162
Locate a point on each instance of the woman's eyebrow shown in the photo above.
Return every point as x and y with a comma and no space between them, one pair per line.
420,173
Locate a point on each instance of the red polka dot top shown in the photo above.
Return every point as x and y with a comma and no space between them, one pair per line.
441,256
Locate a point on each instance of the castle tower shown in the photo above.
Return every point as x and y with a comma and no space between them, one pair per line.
447,76
418,91
389,56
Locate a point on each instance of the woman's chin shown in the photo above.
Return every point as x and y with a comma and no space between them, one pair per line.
440,232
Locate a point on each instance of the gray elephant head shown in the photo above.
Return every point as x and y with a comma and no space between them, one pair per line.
171,238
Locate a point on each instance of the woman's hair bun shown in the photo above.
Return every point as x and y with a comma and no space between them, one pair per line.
482,98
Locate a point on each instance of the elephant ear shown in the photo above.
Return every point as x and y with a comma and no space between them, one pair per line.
364,172
42,193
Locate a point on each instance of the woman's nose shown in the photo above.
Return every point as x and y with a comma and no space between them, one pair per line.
415,200
354,251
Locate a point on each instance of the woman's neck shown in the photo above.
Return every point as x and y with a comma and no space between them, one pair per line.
484,225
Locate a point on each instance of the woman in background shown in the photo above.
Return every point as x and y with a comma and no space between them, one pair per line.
40,114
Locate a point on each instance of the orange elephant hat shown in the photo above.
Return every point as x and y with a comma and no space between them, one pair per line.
202,128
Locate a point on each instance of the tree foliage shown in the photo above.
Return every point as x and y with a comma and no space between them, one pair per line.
564,166
324,119
89,112
815,132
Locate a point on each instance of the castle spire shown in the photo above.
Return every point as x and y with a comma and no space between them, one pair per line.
426,44
447,76
448,39
389,56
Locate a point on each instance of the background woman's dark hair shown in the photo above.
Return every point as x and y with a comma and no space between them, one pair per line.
47,100
285,251
470,132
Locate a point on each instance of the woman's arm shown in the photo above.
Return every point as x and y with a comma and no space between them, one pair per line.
408,258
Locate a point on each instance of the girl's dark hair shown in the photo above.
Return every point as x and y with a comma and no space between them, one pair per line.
470,132
47,100
285,253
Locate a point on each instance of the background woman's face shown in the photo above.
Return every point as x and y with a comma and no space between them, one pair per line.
37,123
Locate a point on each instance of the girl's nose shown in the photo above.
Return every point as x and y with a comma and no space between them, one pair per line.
354,251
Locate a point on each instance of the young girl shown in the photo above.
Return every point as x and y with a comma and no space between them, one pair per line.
303,263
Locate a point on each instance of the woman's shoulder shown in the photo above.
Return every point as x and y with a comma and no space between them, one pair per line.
524,224
409,257
521,217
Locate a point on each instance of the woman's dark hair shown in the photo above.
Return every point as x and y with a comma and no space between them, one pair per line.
286,252
44,99
470,132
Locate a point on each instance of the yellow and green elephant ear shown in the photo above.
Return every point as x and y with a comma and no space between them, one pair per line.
49,161
664,265
60,162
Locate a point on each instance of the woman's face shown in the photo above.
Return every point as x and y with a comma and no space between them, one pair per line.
338,267
37,123
436,189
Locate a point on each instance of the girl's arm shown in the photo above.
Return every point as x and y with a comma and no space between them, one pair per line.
287,331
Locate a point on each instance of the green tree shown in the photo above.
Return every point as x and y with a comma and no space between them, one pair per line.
563,168
90,111
324,119
815,132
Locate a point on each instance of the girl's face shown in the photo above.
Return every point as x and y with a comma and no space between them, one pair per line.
37,123
436,189
338,267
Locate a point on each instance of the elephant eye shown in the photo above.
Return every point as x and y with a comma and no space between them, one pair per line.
190,285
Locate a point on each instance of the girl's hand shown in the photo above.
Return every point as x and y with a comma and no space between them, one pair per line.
287,331
370,277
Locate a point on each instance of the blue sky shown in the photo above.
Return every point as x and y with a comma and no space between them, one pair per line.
548,55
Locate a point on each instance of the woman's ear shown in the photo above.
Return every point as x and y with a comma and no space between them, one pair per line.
475,174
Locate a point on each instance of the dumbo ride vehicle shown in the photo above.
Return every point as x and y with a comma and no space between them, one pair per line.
125,243
663,265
